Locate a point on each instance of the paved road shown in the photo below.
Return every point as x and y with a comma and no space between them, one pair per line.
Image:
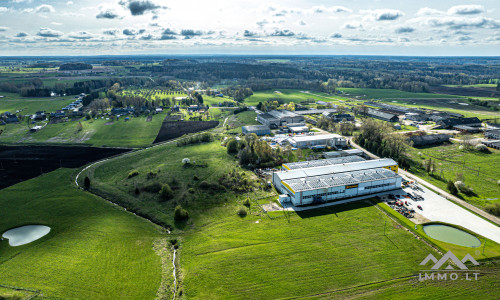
439,191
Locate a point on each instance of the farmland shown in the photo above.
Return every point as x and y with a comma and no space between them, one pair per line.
83,255
388,94
172,130
289,95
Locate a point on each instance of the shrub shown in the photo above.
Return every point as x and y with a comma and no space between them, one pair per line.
154,187
246,202
186,161
195,177
180,214
86,183
493,209
191,190
452,188
242,212
232,146
482,148
166,192
133,174
137,191
151,175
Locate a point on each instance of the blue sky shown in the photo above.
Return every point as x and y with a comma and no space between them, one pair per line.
365,27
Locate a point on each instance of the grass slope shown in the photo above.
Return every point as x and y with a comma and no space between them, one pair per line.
315,252
94,250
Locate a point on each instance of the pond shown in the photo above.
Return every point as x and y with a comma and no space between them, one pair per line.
25,234
452,235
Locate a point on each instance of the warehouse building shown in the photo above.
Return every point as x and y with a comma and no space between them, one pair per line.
430,139
318,141
321,162
378,114
277,118
337,182
493,134
259,130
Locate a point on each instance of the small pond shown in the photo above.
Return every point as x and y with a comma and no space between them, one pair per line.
25,234
452,235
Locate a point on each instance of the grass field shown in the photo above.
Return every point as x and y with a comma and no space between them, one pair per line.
290,95
101,132
449,159
94,251
13,102
480,85
389,94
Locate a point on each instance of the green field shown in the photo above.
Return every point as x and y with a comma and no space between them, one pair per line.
135,132
290,95
479,85
480,171
94,250
14,102
389,94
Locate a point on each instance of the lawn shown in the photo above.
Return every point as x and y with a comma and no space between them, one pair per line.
389,94
135,132
94,250
480,170
13,102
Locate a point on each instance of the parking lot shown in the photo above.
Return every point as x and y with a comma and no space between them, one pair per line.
420,201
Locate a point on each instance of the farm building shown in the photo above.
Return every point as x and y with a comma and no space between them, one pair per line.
429,139
337,182
416,117
451,122
400,110
318,141
493,134
466,129
492,144
377,114
259,130
343,153
122,110
275,118
321,162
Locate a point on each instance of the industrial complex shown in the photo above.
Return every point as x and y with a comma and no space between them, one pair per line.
334,182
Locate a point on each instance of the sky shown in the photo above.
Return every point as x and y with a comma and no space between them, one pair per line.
355,27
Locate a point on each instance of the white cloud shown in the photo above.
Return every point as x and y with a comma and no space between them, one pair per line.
47,32
352,25
2,28
332,9
426,11
383,14
45,8
463,22
3,9
69,3
466,10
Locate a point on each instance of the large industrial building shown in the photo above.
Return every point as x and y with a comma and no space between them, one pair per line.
342,153
321,162
277,118
337,182
257,129
318,141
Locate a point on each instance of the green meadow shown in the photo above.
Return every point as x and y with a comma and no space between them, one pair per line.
367,93
13,102
290,95
95,250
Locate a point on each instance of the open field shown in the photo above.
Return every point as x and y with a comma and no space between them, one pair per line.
479,171
13,102
289,95
467,91
389,94
135,132
94,250
305,255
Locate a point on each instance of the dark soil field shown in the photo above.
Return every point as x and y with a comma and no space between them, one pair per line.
19,163
466,91
171,130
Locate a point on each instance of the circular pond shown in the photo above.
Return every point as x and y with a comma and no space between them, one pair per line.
452,235
25,234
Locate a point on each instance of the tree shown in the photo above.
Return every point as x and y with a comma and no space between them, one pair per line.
86,183
180,214
232,146
166,192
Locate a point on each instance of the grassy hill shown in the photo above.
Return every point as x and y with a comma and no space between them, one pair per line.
94,251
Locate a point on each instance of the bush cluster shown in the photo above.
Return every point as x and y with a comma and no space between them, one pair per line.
180,214
133,174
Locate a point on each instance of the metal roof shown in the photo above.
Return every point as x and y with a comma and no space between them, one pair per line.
315,137
335,169
282,114
322,162
255,127
332,180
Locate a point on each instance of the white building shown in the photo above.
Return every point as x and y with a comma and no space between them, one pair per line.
337,182
320,163
318,141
